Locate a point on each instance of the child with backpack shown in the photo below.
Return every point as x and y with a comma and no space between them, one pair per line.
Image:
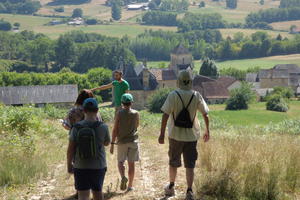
125,131
86,153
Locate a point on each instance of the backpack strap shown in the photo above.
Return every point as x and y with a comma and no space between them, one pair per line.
180,98
191,100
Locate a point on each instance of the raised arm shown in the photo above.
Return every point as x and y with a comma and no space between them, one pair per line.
103,87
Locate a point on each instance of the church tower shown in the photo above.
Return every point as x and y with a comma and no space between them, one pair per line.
181,59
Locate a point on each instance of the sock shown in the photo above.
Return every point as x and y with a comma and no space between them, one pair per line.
189,190
172,184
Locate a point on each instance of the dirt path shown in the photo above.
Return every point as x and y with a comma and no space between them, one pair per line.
151,177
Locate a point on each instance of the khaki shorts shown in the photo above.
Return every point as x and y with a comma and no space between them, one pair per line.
129,152
189,151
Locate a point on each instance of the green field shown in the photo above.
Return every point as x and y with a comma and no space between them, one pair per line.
256,115
265,62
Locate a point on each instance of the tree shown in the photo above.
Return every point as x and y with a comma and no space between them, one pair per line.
240,97
232,4
5,26
91,21
292,28
262,2
64,52
202,4
17,25
77,12
59,9
277,103
156,101
279,37
209,68
116,10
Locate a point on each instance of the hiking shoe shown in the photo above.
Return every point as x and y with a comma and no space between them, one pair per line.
169,192
189,196
123,185
129,189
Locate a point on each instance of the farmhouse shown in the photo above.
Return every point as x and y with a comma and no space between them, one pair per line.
139,6
41,94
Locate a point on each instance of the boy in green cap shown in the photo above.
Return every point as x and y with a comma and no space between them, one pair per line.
125,132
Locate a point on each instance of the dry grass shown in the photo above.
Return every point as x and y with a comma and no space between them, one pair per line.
285,26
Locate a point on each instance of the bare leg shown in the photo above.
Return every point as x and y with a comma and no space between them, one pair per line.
121,167
84,195
172,174
98,195
189,177
131,171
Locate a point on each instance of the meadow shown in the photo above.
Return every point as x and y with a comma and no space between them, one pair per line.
243,64
252,155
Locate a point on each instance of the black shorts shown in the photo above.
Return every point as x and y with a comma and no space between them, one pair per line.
89,179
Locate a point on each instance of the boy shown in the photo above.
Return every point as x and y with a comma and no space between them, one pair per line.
125,131
86,148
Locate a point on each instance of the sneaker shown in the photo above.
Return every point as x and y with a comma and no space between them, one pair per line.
189,196
129,189
123,185
169,192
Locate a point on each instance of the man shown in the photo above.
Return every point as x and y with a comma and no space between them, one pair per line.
184,130
120,87
125,131
86,156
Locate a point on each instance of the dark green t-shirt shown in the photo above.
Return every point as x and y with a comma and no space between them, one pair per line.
119,89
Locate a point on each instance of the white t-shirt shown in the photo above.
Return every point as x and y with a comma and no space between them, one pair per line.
173,106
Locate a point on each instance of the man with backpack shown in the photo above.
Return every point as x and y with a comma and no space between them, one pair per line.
86,153
182,106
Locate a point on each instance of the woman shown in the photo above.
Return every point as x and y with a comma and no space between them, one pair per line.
76,113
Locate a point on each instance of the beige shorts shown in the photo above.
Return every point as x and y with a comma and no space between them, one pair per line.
129,152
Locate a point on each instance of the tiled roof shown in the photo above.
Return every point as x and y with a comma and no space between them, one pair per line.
180,49
163,74
273,73
131,77
152,80
226,80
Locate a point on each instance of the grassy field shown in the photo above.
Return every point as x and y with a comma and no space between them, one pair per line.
241,159
249,32
256,115
285,26
265,62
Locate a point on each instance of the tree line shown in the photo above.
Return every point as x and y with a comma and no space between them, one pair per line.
289,3
91,79
26,7
75,50
273,15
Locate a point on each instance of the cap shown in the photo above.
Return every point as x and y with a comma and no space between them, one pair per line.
185,80
127,98
90,103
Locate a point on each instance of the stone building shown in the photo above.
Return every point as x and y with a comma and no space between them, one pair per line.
40,94
181,59
284,75
142,85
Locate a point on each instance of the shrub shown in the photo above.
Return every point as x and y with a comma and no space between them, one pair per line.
91,21
157,100
240,98
277,103
59,9
77,12
5,26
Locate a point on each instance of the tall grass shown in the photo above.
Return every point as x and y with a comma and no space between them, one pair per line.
253,167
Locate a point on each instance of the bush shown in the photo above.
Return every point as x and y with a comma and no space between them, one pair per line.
277,103
59,9
77,12
5,26
157,100
240,98
91,21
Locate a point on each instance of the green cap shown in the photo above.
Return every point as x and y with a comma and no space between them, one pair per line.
185,80
127,98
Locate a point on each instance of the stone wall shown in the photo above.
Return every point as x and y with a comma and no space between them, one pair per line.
270,83
167,84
